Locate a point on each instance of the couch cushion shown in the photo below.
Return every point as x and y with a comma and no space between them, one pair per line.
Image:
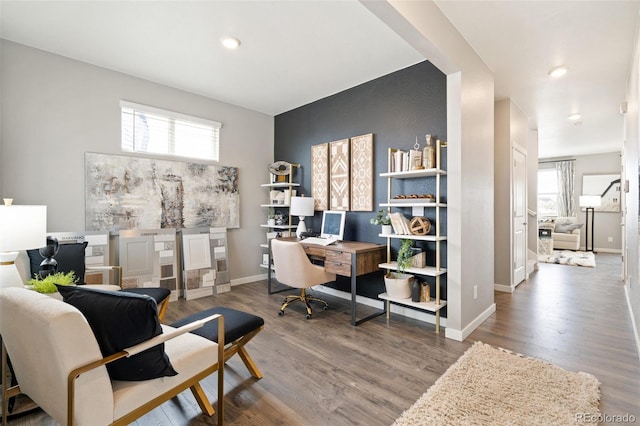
119,320
70,257
566,227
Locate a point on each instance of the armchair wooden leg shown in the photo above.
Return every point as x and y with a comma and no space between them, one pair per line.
202,399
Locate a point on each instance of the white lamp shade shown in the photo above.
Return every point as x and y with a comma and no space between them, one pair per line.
302,206
590,201
22,227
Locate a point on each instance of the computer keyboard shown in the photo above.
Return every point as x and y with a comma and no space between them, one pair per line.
319,241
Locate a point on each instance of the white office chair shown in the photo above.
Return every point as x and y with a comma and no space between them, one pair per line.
293,268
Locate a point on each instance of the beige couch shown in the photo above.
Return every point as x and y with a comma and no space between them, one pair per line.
565,232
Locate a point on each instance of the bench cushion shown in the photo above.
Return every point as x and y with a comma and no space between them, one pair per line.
236,323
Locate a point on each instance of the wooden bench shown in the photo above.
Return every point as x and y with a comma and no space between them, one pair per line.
239,328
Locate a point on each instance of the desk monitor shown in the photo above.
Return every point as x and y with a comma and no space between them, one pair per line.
333,224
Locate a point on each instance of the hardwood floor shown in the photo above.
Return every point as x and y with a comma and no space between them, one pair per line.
323,371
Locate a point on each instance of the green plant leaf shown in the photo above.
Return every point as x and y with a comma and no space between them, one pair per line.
48,283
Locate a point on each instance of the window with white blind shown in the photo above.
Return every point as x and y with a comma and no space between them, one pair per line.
157,131
547,192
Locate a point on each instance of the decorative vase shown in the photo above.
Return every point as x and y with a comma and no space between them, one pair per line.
398,285
387,230
271,222
416,289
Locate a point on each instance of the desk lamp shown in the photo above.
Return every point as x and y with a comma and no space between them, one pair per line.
21,228
589,202
301,207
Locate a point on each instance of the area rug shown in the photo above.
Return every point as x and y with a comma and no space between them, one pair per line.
498,387
571,258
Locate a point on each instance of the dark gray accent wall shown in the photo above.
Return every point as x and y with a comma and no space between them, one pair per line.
396,108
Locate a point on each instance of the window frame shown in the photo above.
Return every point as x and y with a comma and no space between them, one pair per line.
554,194
172,117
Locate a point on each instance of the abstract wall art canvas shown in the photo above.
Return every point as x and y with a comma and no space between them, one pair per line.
607,187
123,192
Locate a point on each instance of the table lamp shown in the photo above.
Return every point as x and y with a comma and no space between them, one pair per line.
589,202
21,228
301,207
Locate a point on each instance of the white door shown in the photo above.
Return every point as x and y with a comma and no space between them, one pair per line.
519,217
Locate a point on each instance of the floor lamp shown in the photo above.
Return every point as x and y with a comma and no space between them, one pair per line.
589,202
21,228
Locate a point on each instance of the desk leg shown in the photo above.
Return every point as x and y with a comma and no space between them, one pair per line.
354,279
353,289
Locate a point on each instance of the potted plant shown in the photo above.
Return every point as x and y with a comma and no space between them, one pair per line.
48,283
397,283
271,218
382,218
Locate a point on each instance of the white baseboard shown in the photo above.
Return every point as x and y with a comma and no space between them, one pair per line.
246,280
460,335
636,334
503,288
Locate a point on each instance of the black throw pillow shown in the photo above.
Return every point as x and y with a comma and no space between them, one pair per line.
70,257
120,320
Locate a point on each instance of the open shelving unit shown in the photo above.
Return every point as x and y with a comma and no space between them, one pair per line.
417,207
284,228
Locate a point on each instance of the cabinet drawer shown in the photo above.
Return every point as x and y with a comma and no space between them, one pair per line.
338,268
338,257
314,251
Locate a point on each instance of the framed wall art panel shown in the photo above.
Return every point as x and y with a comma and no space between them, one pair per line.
320,176
607,187
362,173
339,175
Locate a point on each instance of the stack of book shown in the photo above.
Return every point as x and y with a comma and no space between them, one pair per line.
400,224
403,161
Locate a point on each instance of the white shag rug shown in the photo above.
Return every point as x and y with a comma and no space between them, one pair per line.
571,258
491,386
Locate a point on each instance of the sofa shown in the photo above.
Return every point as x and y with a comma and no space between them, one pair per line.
565,232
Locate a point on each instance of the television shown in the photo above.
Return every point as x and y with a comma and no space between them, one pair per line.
333,224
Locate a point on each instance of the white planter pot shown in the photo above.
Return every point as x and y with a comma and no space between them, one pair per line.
271,222
398,285
387,230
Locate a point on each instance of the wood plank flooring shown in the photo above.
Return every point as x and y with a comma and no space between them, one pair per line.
323,371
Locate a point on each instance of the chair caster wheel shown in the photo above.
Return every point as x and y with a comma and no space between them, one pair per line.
281,313
308,316
324,308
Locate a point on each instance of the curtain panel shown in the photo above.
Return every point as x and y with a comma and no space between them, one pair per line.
566,204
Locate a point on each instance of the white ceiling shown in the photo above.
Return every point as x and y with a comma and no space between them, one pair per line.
294,53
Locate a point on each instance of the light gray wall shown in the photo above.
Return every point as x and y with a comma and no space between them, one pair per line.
606,224
532,190
631,162
502,193
470,132
54,109
511,129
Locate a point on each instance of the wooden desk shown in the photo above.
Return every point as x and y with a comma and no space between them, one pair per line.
348,259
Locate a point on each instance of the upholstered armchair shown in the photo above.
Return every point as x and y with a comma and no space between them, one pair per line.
73,367
565,232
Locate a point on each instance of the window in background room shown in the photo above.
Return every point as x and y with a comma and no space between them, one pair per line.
547,192
157,131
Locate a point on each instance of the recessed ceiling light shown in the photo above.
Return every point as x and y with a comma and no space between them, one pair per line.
558,71
574,117
230,43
